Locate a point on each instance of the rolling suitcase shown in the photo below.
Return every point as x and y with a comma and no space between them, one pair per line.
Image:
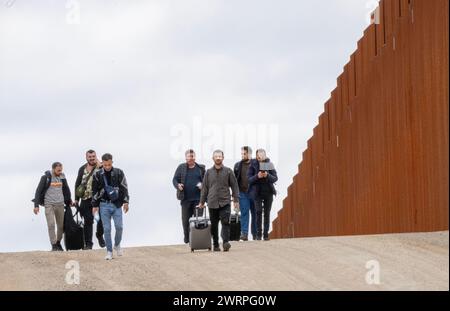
235,226
73,230
199,232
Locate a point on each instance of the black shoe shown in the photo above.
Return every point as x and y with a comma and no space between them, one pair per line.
266,239
217,249
258,238
87,247
226,246
59,247
244,237
54,248
101,241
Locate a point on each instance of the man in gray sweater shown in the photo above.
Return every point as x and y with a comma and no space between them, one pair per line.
216,191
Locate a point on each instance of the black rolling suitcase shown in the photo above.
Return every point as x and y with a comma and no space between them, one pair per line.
73,230
235,226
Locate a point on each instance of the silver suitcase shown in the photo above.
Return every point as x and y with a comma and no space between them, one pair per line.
199,232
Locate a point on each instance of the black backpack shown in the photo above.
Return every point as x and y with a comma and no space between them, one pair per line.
73,230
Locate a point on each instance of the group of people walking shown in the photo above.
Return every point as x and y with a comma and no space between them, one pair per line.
252,190
101,192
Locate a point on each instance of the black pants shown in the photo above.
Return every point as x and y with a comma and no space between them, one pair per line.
223,215
263,204
86,213
187,211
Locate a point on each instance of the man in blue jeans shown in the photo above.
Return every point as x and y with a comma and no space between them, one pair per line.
246,203
110,193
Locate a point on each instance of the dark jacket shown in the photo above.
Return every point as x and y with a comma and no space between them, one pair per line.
43,186
180,177
117,180
216,187
255,182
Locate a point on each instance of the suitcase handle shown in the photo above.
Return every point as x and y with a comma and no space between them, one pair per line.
197,209
237,216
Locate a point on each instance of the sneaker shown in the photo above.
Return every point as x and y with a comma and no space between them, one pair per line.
109,256
217,248
244,237
59,247
226,246
118,250
101,241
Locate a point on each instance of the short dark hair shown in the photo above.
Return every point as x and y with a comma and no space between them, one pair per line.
247,149
56,164
90,151
218,151
189,151
107,157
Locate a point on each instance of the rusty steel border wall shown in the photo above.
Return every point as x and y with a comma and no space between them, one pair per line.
378,159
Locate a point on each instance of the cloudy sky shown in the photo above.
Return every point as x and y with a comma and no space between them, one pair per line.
144,80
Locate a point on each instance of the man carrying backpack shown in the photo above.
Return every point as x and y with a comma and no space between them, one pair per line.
53,193
83,192
110,195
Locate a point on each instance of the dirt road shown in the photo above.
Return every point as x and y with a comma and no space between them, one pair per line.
406,262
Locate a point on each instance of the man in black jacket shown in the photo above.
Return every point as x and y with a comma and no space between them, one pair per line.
188,179
53,193
110,195
246,203
261,180
83,192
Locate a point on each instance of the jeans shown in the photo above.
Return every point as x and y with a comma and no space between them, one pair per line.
253,216
187,211
263,203
54,213
86,213
221,214
108,211
247,208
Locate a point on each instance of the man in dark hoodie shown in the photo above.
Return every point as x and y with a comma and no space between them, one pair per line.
188,180
261,178
53,193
